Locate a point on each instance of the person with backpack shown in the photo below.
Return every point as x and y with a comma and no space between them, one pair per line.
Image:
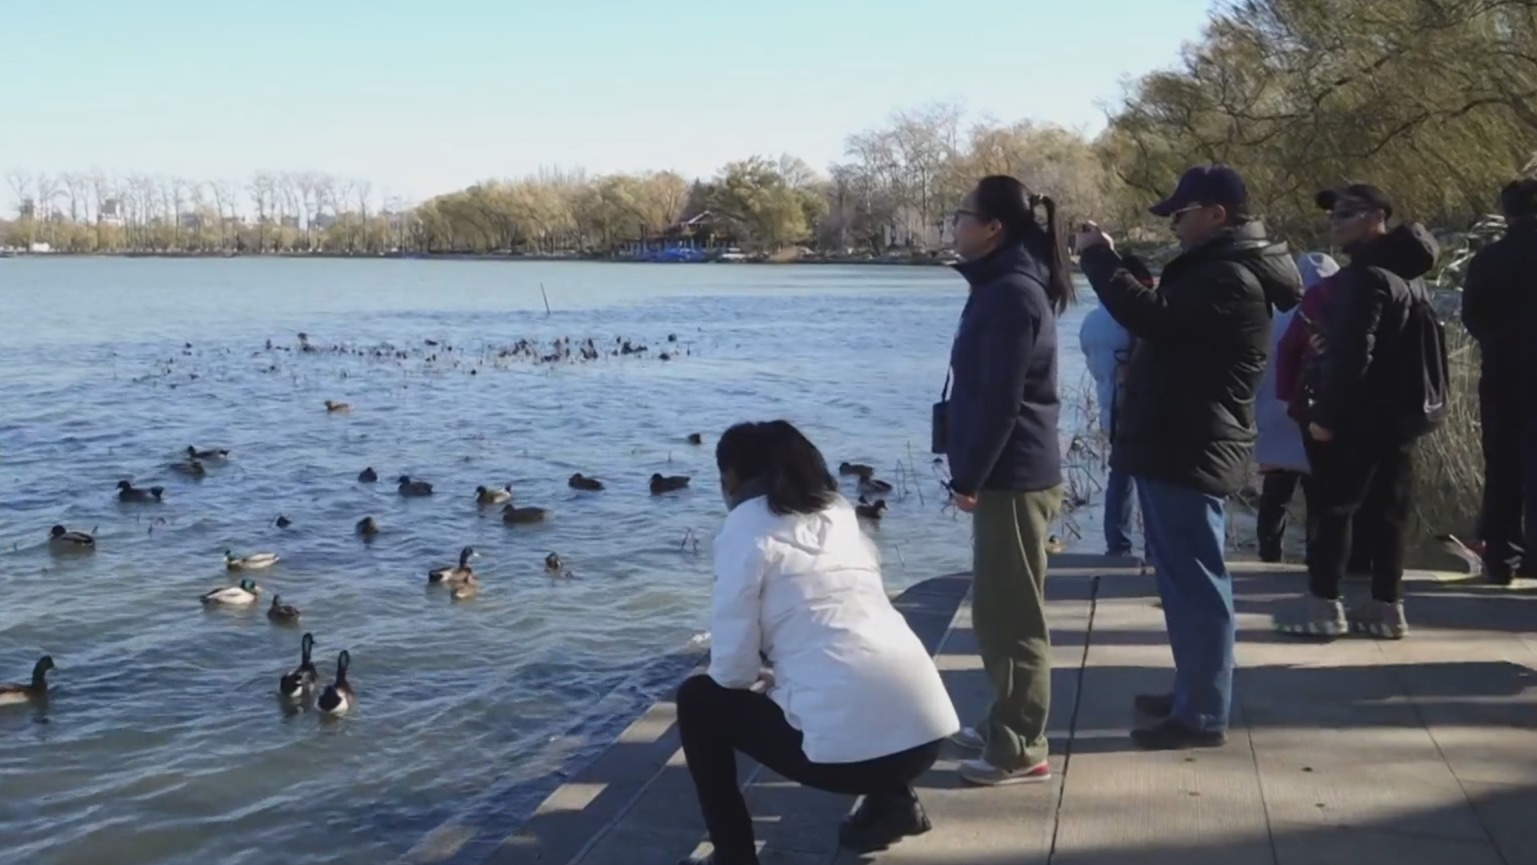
1499,301
1382,385
1298,363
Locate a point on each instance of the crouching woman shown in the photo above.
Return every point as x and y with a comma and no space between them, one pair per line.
851,701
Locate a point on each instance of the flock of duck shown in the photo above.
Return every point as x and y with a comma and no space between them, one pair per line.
301,686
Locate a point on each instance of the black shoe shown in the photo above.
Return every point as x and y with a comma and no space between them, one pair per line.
1154,705
881,821
1171,735
1270,555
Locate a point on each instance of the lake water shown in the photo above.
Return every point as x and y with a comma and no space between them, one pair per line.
163,742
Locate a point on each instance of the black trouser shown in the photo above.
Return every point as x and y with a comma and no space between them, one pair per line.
1352,474
1501,415
716,722
1275,497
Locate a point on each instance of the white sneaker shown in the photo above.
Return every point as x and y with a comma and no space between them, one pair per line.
969,738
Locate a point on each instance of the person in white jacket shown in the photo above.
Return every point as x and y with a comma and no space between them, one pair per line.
850,700
1106,348
1282,461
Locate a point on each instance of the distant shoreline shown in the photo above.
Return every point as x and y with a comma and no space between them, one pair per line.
890,261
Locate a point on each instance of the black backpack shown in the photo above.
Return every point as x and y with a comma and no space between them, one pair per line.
1423,370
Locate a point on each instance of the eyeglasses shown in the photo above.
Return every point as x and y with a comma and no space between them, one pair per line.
1345,215
962,211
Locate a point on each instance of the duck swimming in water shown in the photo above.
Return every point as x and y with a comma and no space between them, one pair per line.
512,515
190,468
242,595
368,527
695,439
490,496
454,572
368,475
464,587
337,407
297,683
665,484
870,510
338,698
873,485
210,454
61,540
580,481
253,562
35,691
127,492
859,469
408,487
286,614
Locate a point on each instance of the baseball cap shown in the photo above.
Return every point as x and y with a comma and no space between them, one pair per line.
1365,193
1205,184
1519,198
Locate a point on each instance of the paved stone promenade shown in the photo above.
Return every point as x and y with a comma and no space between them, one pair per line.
1355,752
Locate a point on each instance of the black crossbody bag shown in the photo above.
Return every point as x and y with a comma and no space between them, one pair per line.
939,434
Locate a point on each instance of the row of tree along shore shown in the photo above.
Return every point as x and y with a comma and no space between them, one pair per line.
1430,99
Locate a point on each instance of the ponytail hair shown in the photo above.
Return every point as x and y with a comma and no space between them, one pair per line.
1006,199
779,458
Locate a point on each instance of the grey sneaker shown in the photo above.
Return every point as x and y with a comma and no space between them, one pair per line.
969,738
1379,619
1311,616
985,774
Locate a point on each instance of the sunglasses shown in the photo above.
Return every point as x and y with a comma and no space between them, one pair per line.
1176,216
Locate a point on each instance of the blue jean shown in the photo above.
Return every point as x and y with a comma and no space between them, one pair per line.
1186,532
1119,489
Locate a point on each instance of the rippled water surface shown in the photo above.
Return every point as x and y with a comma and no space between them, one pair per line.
164,743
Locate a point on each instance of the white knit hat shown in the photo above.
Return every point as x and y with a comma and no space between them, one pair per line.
1315,268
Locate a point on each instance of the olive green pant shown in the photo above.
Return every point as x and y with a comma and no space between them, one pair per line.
1008,615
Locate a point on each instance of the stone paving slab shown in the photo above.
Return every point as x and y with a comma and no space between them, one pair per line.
1355,752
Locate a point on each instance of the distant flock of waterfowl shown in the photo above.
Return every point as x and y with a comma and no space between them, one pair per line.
300,686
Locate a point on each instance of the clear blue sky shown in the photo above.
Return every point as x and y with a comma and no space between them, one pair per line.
424,96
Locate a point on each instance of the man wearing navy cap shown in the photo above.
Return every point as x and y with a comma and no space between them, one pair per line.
1499,308
1186,430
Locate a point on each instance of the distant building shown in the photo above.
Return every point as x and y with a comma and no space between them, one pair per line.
111,212
28,208
324,221
290,222
191,221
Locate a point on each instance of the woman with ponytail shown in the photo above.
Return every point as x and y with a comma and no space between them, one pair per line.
813,673
1005,463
